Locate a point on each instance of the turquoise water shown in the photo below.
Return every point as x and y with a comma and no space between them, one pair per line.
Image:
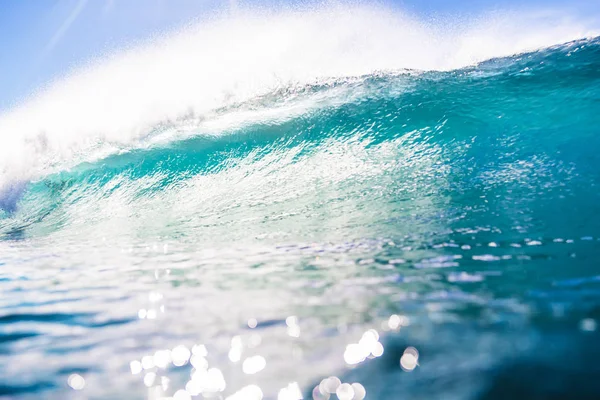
456,213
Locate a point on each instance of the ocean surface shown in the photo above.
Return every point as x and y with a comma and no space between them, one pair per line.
370,208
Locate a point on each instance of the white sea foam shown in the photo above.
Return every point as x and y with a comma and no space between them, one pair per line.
116,102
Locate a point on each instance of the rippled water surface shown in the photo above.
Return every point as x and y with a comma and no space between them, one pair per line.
418,235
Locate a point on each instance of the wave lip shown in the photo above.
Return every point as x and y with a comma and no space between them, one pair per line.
114,104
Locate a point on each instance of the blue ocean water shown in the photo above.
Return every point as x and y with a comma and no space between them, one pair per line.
404,234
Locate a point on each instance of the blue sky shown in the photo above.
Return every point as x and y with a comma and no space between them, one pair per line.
43,39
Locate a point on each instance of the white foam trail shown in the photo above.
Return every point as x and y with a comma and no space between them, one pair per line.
117,101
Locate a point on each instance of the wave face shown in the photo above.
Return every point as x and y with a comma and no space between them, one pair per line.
308,175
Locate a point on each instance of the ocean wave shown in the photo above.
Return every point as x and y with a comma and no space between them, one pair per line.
392,135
